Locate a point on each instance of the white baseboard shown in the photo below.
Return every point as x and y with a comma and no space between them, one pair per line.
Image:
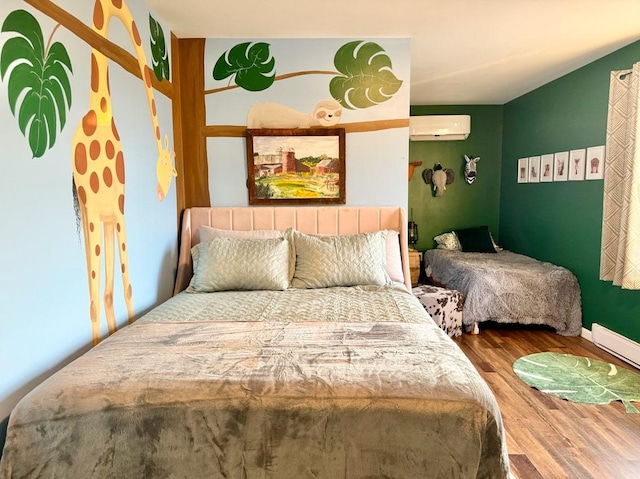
614,343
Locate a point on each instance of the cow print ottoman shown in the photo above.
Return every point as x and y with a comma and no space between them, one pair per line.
444,306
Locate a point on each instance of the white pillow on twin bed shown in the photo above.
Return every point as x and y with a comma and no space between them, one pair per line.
341,260
224,264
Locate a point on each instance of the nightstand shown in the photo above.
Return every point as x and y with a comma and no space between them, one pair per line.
415,258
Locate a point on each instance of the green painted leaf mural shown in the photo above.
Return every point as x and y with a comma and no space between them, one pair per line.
251,64
579,379
158,50
38,81
367,78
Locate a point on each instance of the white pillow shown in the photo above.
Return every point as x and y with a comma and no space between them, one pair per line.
340,260
206,233
224,264
394,261
448,241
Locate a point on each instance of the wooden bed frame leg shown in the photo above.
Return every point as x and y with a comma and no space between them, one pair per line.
475,329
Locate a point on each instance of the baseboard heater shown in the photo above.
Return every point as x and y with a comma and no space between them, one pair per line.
616,344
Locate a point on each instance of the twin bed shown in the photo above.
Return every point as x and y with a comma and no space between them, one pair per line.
343,375
507,287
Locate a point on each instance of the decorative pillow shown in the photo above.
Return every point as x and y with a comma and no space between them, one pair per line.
224,264
341,260
393,259
477,240
206,233
448,241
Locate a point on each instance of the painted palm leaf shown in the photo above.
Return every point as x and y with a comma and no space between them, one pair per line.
158,50
579,379
367,78
251,65
38,82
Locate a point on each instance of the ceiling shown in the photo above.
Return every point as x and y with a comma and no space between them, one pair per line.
462,51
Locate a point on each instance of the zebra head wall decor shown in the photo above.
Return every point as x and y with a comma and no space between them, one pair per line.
470,169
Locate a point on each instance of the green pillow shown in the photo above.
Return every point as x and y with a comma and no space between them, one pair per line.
341,260
476,240
224,264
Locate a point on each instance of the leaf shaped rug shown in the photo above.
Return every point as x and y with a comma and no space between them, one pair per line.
579,379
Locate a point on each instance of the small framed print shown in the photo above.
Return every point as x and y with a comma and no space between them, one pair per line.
560,168
576,164
534,169
523,175
595,163
546,168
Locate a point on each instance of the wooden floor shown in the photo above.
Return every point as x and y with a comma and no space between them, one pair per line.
547,437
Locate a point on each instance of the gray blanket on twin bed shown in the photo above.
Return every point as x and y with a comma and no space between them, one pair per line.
510,288
374,389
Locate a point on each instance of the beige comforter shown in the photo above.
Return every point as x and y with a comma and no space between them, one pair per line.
383,395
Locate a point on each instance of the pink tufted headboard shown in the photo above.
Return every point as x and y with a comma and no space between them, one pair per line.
310,220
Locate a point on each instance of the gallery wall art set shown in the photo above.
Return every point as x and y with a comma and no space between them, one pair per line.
574,165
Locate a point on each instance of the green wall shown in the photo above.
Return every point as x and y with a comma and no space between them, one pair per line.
562,222
462,205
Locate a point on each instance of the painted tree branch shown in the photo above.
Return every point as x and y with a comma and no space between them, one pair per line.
238,131
104,46
279,77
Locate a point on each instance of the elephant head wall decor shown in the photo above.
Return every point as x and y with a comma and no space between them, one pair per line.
471,169
439,178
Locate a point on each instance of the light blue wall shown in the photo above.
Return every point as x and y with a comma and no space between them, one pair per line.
376,162
44,300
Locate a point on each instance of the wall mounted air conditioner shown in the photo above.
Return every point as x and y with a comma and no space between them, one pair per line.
439,127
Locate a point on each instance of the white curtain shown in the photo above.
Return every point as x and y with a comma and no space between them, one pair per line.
620,249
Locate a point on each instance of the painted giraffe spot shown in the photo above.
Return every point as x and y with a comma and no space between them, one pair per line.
94,149
94,182
124,246
97,250
117,4
147,76
107,177
109,149
154,112
98,16
92,226
90,123
95,74
136,34
80,159
93,274
120,167
118,227
103,104
114,130
123,268
129,292
82,195
121,203
157,132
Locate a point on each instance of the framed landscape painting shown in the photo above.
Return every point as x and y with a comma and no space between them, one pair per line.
302,166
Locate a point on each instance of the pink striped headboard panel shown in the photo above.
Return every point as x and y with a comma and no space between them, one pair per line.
310,220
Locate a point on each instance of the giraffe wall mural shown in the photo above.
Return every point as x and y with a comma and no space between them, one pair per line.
99,171
30,64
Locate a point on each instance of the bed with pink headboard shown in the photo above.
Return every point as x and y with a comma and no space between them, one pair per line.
310,220
331,382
